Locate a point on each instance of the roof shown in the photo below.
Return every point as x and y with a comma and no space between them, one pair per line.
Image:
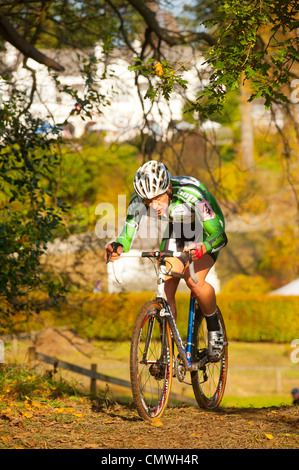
289,289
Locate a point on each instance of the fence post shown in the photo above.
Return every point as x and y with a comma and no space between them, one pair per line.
93,381
31,357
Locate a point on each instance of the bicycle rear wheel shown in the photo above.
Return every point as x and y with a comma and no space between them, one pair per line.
151,362
208,382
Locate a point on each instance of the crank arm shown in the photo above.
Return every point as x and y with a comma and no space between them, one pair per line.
199,365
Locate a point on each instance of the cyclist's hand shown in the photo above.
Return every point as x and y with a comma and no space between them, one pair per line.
197,250
113,251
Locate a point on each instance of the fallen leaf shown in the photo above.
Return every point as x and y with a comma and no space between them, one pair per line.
286,417
269,436
26,414
251,423
156,422
60,410
6,414
36,405
30,443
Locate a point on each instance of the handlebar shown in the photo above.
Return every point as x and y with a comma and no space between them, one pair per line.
157,255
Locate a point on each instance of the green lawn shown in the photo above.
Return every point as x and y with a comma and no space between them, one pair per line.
259,374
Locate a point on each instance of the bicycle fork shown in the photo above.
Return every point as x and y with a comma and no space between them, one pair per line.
148,339
184,352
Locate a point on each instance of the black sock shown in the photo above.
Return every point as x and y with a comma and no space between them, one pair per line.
212,322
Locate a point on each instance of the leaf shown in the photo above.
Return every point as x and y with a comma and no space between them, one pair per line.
156,422
269,436
26,414
36,405
159,69
60,410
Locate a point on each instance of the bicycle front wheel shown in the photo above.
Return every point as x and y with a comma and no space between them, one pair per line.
151,362
208,382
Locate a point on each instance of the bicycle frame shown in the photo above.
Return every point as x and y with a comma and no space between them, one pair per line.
184,352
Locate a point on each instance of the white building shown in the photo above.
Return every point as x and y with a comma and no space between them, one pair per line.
292,288
123,117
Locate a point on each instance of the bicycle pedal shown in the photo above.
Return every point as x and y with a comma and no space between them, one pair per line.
164,313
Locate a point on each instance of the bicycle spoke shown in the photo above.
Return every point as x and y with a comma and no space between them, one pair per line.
151,367
209,382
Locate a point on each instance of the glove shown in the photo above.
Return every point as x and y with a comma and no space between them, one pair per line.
199,251
114,246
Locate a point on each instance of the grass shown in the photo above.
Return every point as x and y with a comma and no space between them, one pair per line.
258,401
257,385
19,383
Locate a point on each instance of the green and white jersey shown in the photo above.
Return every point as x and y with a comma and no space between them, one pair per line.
193,215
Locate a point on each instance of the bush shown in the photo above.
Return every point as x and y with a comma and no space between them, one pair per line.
247,284
248,317
260,317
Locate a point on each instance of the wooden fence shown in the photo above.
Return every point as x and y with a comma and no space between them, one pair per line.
35,356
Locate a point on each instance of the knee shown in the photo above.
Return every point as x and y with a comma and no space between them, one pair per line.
192,286
201,288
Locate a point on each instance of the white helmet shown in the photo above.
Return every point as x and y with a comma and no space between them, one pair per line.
151,179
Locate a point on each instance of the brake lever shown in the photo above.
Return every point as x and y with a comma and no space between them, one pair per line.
191,269
108,257
116,274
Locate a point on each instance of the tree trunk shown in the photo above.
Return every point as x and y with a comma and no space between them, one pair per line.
247,139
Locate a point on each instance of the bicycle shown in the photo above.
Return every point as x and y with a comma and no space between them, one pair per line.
152,360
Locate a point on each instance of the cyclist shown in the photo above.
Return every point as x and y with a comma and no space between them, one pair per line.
195,222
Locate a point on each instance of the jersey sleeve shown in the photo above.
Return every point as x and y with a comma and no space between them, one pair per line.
213,226
216,236
135,212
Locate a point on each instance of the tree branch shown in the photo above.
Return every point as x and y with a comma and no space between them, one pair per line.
13,37
150,19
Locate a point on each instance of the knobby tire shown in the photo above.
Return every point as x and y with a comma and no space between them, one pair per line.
209,382
151,373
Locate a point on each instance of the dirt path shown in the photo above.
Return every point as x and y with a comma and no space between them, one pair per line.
79,423
43,419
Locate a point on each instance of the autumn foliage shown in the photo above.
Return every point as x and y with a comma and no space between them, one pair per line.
248,317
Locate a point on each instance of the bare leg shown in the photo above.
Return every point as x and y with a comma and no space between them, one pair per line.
206,298
171,284
203,291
